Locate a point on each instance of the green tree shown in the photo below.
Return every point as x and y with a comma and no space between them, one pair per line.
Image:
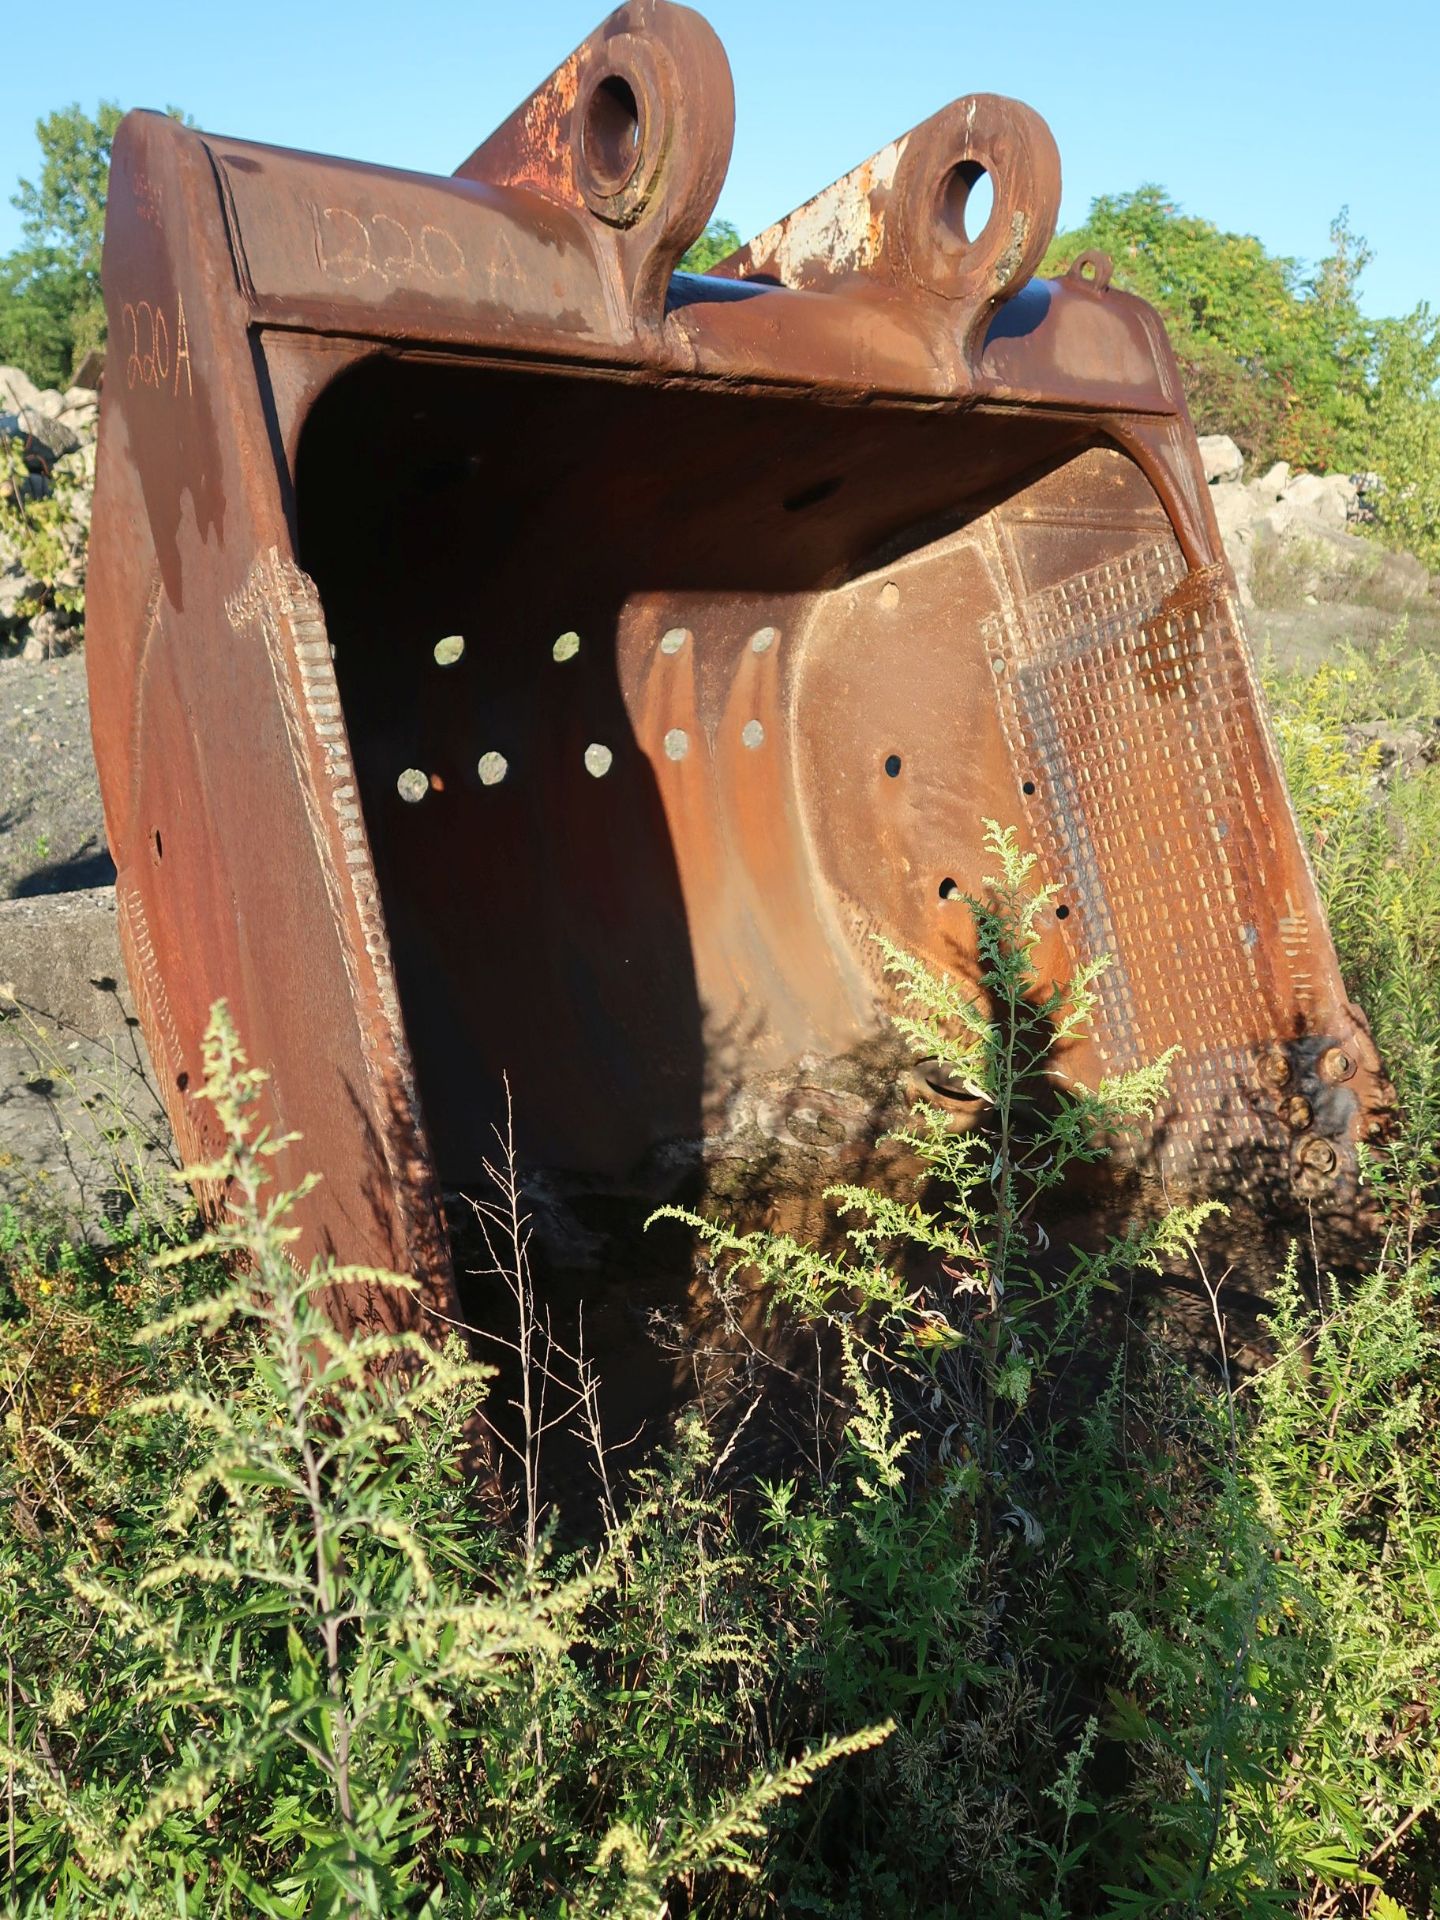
51,311
1282,360
1268,354
1403,427
1344,340
718,240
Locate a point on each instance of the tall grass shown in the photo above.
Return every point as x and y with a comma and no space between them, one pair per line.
1054,1624
1370,821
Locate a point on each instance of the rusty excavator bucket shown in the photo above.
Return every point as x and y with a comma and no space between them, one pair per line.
516,659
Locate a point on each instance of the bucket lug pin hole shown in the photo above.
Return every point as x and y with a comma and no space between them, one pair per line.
966,203
610,133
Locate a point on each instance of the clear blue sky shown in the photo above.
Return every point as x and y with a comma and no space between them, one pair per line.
1264,117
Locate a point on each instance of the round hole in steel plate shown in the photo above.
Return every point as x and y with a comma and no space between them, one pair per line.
892,765
449,650
1062,912
610,137
413,785
492,769
967,199
949,889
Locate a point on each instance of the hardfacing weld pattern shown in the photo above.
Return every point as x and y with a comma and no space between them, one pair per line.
1124,712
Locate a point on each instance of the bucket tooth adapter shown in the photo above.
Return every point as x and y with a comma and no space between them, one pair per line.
516,658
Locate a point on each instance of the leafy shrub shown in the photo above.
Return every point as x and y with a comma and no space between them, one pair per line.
1375,849
1153,1639
717,241
299,1665
38,529
1155,1644
51,309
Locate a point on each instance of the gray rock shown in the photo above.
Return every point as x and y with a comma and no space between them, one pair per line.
78,396
48,636
1236,511
1272,484
1399,580
12,592
1290,537
43,438
78,466
17,390
1324,562
82,420
53,951
1328,498
1396,746
1221,458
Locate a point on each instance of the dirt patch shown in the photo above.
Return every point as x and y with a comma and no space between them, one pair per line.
52,832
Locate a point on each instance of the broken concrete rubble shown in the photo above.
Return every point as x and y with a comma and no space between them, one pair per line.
1312,519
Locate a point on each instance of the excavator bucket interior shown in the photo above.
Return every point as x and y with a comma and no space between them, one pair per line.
525,670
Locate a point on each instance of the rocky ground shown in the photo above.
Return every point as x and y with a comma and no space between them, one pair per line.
1309,578
80,1124
52,837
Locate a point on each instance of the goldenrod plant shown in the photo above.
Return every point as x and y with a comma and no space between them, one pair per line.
1061,1610
297,1667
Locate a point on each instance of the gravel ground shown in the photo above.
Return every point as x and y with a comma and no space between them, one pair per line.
52,834
82,1132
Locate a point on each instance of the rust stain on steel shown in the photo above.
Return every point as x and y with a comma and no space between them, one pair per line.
770,585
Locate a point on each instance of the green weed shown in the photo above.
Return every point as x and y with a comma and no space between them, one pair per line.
1055,1624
